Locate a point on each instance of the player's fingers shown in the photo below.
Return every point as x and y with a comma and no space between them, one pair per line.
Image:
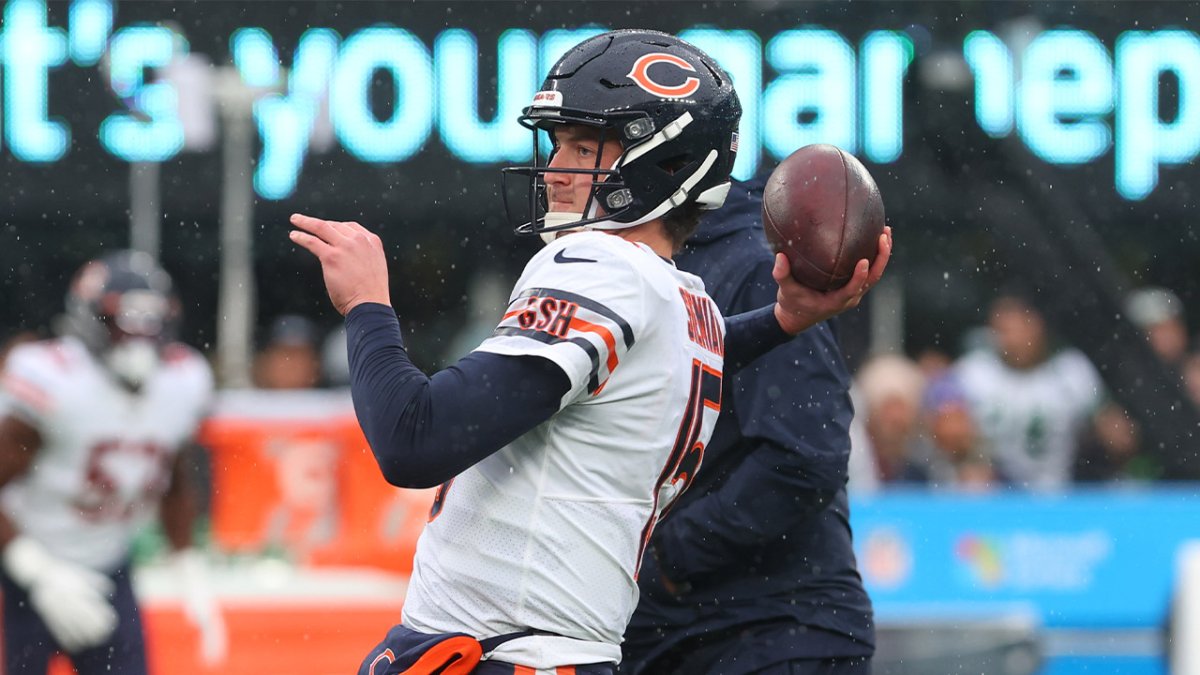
781,269
353,231
324,229
859,282
313,244
882,258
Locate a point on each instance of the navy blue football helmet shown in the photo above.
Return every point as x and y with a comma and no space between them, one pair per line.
122,306
670,105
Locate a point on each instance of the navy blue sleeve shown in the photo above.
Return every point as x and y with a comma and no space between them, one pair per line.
749,335
792,408
426,430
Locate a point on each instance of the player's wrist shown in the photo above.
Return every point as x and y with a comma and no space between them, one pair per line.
366,308
790,323
350,305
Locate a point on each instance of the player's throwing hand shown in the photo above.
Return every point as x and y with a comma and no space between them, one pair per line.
799,307
352,260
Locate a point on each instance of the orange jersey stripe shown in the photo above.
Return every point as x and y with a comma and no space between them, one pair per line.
605,334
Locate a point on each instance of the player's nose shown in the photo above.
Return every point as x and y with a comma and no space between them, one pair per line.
556,162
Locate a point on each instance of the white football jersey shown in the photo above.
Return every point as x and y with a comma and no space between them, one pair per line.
1031,419
106,454
548,533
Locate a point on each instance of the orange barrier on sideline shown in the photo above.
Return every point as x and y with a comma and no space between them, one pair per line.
292,474
294,638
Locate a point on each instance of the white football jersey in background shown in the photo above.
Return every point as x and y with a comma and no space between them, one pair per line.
106,454
547,533
1032,419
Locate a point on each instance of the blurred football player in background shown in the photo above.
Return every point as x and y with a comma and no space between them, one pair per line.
563,439
1032,398
91,425
755,568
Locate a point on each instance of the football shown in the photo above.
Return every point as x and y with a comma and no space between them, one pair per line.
823,210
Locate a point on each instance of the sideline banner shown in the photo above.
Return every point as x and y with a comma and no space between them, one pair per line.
1087,559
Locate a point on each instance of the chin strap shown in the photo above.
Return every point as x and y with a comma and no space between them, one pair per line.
557,219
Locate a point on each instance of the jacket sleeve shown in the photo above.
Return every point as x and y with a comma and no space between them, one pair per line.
424,430
792,409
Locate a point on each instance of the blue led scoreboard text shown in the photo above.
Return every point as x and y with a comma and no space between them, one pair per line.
1067,96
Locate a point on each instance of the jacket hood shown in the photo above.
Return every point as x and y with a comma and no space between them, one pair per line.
742,210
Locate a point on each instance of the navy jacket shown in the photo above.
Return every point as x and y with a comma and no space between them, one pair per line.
763,533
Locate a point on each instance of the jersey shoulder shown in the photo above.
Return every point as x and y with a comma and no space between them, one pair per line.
582,258
582,303
1076,372
591,269
35,374
605,265
188,371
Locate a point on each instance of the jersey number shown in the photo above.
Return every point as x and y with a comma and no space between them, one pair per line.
439,500
102,498
688,450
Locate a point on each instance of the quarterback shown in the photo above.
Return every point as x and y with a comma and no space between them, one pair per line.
564,437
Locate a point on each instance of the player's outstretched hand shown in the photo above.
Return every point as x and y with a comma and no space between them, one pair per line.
799,307
72,600
352,260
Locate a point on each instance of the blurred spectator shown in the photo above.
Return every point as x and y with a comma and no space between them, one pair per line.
290,359
957,458
1031,401
335,360
885,433
1110,450
1159,313
933,362
1191,376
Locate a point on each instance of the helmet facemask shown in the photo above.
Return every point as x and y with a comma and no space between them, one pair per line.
607,199
137,331
123,310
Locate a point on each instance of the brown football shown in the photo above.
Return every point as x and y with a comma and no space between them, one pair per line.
822,209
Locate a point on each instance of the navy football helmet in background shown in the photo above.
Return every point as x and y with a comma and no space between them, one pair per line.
123,308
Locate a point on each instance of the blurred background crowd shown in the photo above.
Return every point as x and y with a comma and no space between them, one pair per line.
1014,406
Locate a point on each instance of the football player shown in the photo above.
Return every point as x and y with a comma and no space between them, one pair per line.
562,440
755,571
91,425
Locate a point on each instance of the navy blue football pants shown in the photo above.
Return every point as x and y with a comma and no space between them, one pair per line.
28,645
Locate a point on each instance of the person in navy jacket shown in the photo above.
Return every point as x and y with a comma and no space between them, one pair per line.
753,570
